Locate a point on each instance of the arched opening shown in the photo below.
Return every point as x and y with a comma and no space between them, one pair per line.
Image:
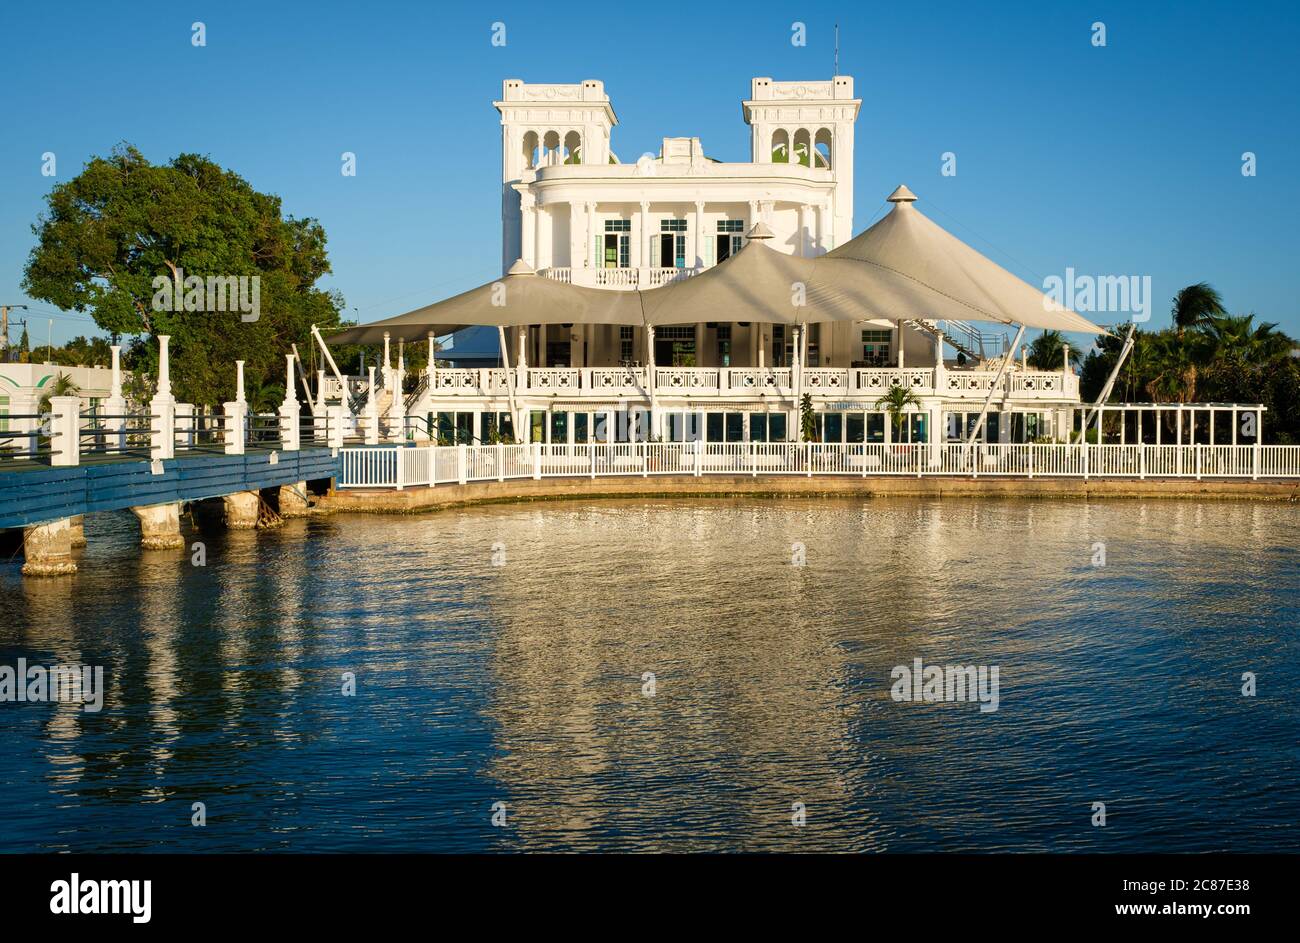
530,150
781,146
802,147
551,149
822,148
573,148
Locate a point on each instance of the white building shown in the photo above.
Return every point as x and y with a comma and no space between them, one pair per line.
572,211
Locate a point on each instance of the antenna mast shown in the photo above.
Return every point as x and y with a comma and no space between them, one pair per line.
837,50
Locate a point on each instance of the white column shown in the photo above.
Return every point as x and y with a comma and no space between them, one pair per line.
163,407
372,411
528,231
115,405
289,430
698,248
65,430
643,250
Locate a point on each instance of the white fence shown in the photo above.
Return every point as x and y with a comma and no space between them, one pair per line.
400,467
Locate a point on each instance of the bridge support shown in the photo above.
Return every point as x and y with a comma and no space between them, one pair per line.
47,549
293,500
160,526
241,510
77,526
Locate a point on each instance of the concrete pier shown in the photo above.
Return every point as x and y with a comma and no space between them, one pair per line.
77,525
47,549
160,526
241,510
293,500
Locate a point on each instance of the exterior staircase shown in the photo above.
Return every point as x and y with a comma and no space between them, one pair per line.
986,348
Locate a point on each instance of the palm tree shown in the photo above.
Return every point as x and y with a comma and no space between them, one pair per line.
62,386
1238,335
263,397
1046,349
1194,307
895,402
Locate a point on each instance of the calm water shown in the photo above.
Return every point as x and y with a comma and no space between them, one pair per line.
522,683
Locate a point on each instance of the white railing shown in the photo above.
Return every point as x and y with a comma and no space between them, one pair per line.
400,467
768,379
615,277
868,382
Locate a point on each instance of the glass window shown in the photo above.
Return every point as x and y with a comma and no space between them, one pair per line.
713,427
758,427
618,225
559,427
735,427
876,427
446,427
833,430
776,427
731,225
581,427
625,343
854,428
537,426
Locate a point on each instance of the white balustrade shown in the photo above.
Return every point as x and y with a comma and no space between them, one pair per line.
400,467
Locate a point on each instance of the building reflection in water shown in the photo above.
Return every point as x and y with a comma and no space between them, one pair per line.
525,683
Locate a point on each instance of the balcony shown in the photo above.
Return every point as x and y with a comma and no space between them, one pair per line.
619,279
746,382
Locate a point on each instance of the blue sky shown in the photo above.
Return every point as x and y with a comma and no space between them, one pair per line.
1117,160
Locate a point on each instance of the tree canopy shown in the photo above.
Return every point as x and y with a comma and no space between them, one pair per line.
1205,356
109,232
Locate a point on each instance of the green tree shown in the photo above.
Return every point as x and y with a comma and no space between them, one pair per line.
895,402
1194,306
1046,350
807,419
62,386
110,231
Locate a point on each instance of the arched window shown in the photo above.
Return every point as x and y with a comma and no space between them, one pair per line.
781,146
530,150
573,148
822,148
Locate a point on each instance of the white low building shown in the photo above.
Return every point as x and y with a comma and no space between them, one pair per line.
22,386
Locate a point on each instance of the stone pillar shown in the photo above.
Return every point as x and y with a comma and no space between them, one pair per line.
293,500
65,428
160,526
47,549
241,510
336,419
235,414
77,525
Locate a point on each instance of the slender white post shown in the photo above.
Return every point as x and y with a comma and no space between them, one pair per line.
115,405
372,411
289,410
163,408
